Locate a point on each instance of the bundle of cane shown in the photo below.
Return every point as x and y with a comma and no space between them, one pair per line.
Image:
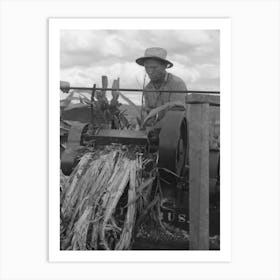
102,199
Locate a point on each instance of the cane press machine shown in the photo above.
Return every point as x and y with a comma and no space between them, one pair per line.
171,142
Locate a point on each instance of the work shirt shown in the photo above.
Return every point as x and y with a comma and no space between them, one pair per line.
156,99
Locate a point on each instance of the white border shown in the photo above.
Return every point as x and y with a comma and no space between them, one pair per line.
55,25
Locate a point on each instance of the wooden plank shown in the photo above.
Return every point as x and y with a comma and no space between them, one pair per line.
125,137
203,98
199,176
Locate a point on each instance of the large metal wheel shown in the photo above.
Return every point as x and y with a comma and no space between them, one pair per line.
173,145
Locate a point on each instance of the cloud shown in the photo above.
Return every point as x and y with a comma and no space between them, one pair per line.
86,55
128,72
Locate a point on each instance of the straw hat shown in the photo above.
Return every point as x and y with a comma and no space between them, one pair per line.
155,53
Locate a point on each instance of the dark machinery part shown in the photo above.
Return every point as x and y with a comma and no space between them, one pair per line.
173,145
80,135
74,143
172,150
170,138
125,137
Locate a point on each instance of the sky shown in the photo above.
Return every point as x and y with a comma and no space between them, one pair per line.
86,55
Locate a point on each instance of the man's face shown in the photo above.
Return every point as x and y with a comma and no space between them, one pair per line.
155,69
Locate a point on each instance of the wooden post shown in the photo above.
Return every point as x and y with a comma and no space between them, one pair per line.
199,176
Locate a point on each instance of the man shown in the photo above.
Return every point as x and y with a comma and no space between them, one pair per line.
155,63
